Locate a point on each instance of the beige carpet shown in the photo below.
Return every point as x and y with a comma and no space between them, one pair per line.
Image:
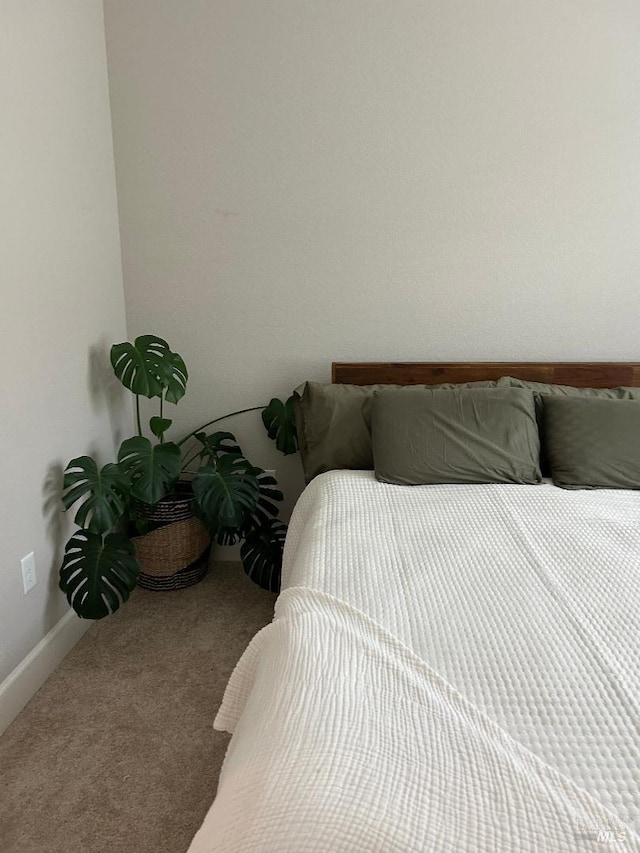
116,752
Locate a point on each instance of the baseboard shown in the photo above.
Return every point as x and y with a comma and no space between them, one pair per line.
29,676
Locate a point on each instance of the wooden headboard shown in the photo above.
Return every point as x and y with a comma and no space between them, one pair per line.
587,374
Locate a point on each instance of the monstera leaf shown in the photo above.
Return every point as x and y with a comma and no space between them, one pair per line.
261,554
97,575
145,367
264,511
159,426
104,493
225,492
280,423
216,443
152,469
177,381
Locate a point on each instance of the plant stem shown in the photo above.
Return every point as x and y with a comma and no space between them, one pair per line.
217,420
190,460
138,414
161,402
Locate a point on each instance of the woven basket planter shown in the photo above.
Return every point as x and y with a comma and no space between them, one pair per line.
175,553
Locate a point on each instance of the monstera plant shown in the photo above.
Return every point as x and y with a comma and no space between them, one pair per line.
236,500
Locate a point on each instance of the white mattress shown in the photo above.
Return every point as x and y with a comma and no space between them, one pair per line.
524,600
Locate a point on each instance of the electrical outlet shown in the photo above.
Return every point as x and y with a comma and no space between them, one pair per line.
28,564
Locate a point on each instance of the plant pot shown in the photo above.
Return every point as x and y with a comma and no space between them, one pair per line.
175,553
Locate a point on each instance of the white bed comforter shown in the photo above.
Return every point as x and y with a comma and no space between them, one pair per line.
451,668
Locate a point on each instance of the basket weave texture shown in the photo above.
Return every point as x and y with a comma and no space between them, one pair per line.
185,577
171,548
173,507
175,553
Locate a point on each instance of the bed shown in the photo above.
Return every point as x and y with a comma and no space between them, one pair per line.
450,667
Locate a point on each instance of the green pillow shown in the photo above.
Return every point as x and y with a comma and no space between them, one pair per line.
593,443
334,423
456,436
542,389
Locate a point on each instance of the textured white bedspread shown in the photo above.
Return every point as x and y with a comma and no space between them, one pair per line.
503,622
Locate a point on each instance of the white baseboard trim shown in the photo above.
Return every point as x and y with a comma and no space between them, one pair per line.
29,676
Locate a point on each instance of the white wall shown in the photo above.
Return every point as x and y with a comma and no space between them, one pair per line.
408,180
61,289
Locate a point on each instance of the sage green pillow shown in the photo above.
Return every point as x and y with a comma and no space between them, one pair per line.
592,442
334,423
455,436
542,389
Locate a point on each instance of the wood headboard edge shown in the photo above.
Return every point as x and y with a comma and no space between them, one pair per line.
581,374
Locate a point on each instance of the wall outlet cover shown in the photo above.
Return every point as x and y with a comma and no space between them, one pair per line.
28,564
